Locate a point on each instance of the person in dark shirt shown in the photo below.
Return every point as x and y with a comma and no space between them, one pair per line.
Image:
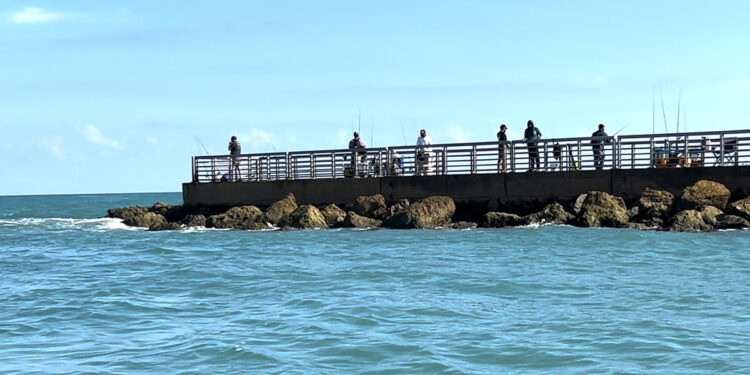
502,146
235,149
531,137
597,146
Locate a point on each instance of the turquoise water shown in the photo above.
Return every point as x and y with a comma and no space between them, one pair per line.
81,294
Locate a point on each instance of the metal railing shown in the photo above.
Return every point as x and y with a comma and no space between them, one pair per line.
675,150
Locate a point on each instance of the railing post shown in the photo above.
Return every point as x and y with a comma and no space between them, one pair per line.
473,159
632,156
546,157
512,156
193,169
652,152
688,161
578,152
312,165
721,149
443,161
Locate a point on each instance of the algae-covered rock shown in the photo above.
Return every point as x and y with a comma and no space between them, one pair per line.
371,206
704,193
740,208
431,212
553,213
501,220
165,226
463,225
601,209
399,206
242,217
710,213
732,222
194,221
146,220
160,208
278,210
305,216
354,220
689,221
579,203
655,205
126,213
334,215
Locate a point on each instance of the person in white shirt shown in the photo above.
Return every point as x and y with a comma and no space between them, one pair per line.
424,149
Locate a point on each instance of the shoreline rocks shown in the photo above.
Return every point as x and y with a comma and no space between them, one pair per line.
703,206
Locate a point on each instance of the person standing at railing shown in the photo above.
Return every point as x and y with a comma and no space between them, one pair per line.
354,144
424,149
597,146
502,146
531,137
235,149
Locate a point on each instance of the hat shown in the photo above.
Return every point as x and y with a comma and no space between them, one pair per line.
356,135
503,126
530,123
601,126
422,132
234,138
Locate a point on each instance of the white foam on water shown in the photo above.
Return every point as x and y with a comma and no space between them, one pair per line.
63,223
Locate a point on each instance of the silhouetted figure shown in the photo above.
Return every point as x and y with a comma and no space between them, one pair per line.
531,137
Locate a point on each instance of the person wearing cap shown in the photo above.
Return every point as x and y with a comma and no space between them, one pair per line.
531,137
235,149
502,146
424,143
597,146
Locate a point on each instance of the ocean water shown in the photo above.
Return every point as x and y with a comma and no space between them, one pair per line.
83,294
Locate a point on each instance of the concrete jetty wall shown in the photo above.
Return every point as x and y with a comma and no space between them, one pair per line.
507,189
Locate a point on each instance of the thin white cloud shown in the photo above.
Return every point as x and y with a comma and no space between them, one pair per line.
55,146
36,15
93,135
458,134
256,140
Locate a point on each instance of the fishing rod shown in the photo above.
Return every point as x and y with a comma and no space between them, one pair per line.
200,143
621,129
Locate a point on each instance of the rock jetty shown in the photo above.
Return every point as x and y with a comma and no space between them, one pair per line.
701,207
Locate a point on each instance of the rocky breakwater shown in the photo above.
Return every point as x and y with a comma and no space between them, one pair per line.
703,206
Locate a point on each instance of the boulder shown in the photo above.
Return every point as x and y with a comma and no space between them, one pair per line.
334,215
165,226
553,213
305,216
689,221
146,220
709,214
399,206
704,193
655,205
353,220
578,203
732,222
501,220
740,208
431,212
638,226
242,217
126,213
463,225
278,210
601,209
194,221
371,206
160,208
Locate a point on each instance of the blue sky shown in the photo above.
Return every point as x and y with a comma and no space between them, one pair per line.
111,96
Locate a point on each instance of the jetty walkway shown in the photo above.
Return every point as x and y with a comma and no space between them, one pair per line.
472,172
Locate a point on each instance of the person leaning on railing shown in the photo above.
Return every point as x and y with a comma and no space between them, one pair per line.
531,137
354,144
597,146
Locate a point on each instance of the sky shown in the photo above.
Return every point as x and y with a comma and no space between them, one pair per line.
116,96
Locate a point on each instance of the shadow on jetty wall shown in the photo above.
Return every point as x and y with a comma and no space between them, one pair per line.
516,190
